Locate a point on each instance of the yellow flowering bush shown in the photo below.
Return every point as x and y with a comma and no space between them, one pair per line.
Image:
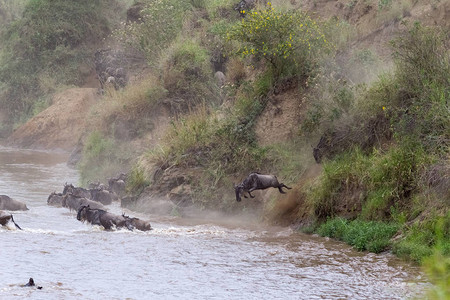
283,38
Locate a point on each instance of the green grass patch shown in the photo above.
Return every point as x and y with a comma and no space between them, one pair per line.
102,158
422,237
137,180
347,173
371,236
187,76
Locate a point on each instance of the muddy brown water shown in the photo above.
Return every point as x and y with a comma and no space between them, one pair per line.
203,258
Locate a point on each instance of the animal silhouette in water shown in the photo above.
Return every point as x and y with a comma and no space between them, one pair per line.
102,217
31,283
257,181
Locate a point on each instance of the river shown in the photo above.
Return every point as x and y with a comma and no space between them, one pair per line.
180,259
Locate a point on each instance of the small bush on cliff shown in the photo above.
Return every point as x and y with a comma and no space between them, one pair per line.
187,76
289,41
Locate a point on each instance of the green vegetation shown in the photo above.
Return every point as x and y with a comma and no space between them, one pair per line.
160,24
393,182
101,156
372,236
221,146
187,75
136,181
48,47
288,40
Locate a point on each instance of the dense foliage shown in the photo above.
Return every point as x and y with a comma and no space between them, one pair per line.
47,47
407,176
289,40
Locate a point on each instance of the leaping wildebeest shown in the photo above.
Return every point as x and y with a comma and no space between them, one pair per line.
257,181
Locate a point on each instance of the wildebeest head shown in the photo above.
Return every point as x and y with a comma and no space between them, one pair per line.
81,213
238,190
68,188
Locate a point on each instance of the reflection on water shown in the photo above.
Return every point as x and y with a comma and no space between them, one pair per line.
188,259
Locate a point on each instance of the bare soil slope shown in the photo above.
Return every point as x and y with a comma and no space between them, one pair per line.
61,125
281,118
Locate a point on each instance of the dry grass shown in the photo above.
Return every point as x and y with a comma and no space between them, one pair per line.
130,103
395,12
236,71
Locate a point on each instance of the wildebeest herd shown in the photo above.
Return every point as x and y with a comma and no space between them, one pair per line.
88,203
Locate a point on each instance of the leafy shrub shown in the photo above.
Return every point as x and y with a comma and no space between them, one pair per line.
382,4
422,237
161,22
333,228
347,173
393,177
416,100
187,74
288,40
385,179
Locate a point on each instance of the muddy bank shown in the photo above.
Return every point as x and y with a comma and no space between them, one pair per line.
61,125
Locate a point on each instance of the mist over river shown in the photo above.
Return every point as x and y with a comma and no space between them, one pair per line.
203,258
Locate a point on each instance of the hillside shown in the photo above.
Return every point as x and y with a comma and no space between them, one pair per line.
362,152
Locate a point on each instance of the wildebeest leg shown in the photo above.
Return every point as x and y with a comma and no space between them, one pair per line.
281,186
107,224
17,226
250,194
129,226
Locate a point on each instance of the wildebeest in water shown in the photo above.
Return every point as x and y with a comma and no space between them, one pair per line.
7,203
6,217
102,217
257,181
